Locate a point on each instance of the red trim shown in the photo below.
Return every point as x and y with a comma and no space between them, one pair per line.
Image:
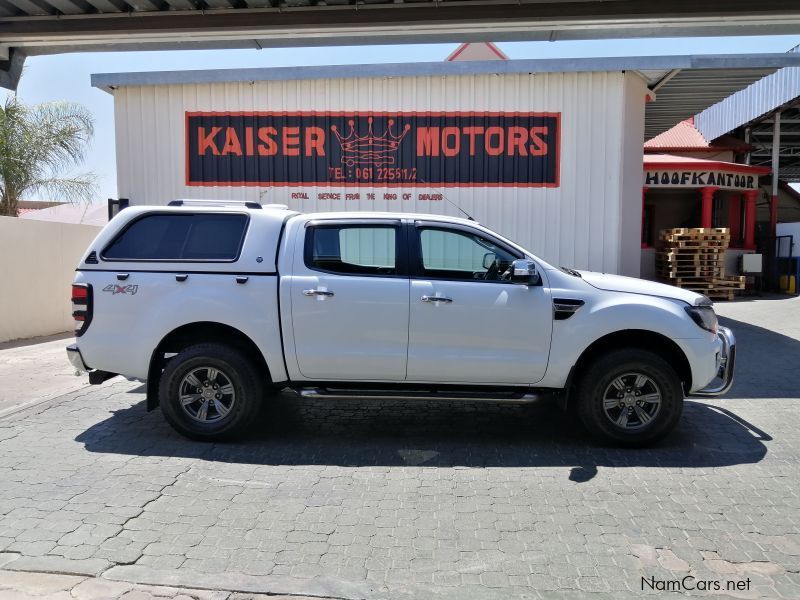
499,53
708,149
706,165
458,51
335,184
346,184
496,50
186,181
379,113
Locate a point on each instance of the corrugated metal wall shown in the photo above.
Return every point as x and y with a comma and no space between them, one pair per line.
592,220
754,101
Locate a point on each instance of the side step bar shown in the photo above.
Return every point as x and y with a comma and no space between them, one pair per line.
329,393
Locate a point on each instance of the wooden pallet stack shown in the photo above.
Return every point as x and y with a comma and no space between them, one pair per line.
694,259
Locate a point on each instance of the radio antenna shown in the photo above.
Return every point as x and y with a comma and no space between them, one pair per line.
446,199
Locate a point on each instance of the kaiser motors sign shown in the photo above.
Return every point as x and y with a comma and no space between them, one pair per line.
441,149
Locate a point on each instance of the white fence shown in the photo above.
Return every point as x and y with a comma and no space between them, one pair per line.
37,265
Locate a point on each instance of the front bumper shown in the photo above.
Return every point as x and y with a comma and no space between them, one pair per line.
727,363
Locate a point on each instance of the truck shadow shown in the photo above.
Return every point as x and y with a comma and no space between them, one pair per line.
766,362
355,433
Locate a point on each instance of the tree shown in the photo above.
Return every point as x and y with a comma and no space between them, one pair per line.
39,145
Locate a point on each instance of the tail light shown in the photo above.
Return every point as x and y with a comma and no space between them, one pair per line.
81,307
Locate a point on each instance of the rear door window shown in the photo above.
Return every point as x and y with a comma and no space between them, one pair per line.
353,249
180,237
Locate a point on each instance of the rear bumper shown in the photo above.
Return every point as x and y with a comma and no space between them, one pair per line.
76,359
727,364
96,376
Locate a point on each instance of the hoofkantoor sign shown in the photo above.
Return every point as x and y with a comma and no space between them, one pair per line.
442,149
672,178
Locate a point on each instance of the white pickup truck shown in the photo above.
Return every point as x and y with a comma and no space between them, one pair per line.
219,306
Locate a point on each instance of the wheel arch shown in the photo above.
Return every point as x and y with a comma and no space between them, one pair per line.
197,332
631,338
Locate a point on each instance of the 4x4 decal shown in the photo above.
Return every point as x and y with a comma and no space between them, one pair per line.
121,289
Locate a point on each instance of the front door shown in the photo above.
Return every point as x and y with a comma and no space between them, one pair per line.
467,324
349,302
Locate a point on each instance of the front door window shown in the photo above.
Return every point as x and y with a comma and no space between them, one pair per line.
459,255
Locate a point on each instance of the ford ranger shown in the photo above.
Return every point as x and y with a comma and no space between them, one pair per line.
220,305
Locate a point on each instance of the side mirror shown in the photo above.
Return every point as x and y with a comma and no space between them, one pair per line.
489,259
523,271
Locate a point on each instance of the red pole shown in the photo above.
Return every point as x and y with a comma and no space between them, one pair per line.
750,219
707,194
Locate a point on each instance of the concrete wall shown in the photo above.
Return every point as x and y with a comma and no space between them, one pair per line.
37,262
631,119
592,220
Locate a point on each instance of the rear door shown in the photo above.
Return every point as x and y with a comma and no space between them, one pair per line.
349,301
467,324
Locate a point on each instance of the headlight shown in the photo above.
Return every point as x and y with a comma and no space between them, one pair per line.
704,316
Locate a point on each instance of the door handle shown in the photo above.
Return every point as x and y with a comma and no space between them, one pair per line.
436,299
325,293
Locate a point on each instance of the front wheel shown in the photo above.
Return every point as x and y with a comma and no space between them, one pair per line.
210,392
630,398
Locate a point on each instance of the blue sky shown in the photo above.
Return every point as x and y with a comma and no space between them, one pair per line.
66,77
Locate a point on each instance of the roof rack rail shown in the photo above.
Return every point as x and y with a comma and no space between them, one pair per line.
199,202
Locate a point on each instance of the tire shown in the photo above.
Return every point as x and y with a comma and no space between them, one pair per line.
648,380
209,413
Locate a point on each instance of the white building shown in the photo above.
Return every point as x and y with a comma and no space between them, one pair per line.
546,152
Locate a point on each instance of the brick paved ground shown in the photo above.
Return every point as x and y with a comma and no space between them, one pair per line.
21,585
415,500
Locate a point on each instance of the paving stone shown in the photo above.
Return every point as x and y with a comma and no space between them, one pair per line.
414,499
38,584
7,557
100,589
59,564
16,595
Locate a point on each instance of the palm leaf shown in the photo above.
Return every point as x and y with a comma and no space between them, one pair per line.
39,145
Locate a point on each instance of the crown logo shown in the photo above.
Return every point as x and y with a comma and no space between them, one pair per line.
369,149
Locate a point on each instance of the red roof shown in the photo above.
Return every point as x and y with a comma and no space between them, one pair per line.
685,137
670,161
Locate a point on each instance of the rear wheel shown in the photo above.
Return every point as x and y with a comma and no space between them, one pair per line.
210,392
630,397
